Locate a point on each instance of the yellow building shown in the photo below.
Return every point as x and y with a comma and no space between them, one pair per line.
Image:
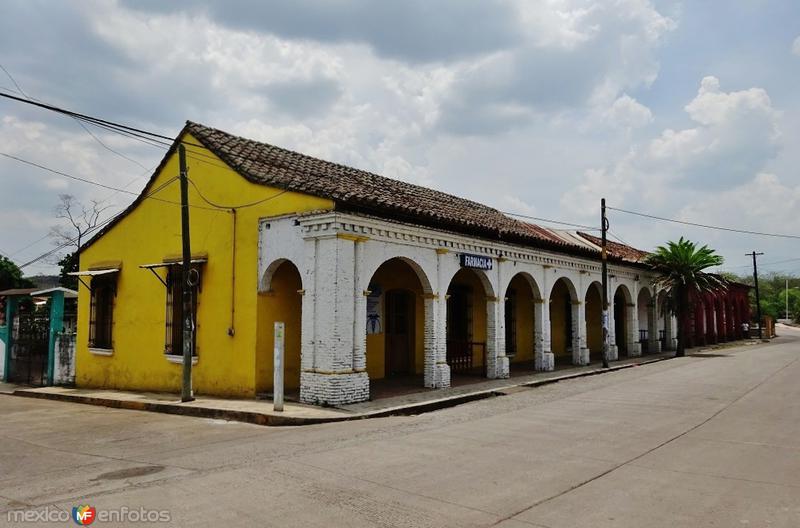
373,278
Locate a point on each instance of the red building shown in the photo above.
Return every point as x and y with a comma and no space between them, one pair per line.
719,316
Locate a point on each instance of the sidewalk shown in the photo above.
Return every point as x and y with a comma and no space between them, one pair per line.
260,411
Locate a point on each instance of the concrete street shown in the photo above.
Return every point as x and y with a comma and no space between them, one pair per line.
708,440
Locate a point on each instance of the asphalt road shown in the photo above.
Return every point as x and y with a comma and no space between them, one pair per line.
696,441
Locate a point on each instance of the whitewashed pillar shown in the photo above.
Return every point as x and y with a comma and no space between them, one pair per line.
653,343
437,371
498,367
332,378
545,359
613,349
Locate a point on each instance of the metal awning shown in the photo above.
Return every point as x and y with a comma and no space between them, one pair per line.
92,273
172,263
168,264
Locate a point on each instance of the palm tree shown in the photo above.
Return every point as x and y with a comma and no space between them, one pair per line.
679,267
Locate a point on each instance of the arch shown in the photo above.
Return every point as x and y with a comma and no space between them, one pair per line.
281,300
593,305
564,305
623,319
721,317
700,322
523,321
266,279
646,316
418,270
528,278
396,321
469,322
666,324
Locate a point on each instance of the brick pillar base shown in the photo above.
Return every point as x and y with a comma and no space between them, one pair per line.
582,357
634,349
440,378
545,361
502,368
613,353
334,388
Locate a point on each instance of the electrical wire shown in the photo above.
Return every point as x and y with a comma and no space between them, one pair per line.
91,134
559,222
233,207
706,226
92,182
96,227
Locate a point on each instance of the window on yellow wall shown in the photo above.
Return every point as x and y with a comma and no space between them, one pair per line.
174,328
101,311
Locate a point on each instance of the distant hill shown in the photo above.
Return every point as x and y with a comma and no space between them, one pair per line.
44,282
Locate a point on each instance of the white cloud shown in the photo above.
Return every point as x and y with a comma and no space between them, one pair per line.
627,112
735,135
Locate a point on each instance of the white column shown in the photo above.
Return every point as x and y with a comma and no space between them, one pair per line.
360,292
332,379
538,330
613,350
580,352
437,371
309,309
497,361
545,360
653,343
634,348
494,329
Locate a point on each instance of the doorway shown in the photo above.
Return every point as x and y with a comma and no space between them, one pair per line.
399,332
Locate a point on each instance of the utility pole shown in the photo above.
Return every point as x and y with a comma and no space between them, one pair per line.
604,260
787,299
758,297
186,267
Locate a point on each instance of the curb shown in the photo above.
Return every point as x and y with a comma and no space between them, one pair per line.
260,418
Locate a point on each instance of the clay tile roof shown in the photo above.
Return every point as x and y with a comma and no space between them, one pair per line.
615,249
362,191
359,191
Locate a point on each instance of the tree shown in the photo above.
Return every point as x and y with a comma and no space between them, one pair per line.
68,264
11,275
679,267
82,219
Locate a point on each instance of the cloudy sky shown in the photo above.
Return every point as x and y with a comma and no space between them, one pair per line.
687,110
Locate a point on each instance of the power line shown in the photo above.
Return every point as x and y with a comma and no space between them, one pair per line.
706,226
92,182
91,134
539,219
97,226
85,117
230,207
767,263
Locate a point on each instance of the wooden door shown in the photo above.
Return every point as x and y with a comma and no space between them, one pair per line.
399,332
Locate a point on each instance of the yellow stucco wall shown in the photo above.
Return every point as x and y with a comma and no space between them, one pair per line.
282,303
395,274
469,278
524,322
559,298
226,364
594,322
